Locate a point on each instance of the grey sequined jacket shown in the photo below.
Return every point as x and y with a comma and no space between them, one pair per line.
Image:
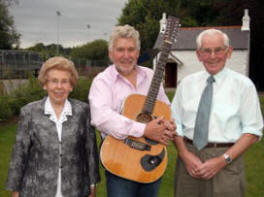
35,160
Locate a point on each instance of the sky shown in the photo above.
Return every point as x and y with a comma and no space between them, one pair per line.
78,21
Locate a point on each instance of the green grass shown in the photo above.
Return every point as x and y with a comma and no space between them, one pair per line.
7,137
254,167
254,158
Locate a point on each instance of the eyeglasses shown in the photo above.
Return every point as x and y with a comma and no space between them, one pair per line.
56,82
217,51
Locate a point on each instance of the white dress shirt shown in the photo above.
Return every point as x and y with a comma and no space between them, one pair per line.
235,106
67,111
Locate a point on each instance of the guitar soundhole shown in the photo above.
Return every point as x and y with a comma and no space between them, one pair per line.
144,117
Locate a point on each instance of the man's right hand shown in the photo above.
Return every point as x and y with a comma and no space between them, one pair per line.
156,130
192,164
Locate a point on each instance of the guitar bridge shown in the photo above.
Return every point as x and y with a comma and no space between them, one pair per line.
137,145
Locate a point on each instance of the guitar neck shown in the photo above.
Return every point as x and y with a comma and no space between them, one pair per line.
156,80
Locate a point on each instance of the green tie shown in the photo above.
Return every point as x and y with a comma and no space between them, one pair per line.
200,138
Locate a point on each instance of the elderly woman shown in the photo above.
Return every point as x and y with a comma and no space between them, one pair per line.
55,153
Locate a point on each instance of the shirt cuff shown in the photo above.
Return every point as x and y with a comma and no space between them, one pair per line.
255,132
179,130
137,129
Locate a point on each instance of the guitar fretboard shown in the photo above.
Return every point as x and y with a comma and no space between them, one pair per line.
156,80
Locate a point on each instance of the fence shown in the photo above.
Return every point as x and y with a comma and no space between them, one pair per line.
17,64
90,68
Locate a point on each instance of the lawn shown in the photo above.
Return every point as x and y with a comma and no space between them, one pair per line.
254,158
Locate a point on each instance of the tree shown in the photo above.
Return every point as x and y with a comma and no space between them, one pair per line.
230,14
144,15
9,38
225,12
46,51
96,50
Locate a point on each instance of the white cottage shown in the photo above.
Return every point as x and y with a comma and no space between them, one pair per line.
182,58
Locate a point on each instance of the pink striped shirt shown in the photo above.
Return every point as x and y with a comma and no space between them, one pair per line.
107,95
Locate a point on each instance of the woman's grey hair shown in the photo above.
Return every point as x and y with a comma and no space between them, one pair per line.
211,32
125,31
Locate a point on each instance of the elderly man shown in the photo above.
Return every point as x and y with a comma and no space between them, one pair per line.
218,118
107,95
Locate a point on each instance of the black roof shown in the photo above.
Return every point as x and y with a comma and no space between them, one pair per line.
186,39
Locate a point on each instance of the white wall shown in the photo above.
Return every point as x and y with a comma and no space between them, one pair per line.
237,62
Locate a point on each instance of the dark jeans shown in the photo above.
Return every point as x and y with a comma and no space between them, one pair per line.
119,187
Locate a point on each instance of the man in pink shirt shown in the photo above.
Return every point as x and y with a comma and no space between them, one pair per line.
107,95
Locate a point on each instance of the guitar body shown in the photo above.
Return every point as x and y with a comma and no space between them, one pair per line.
144,166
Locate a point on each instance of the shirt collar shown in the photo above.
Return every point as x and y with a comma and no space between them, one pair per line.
114,72
141,74
67,109
218,76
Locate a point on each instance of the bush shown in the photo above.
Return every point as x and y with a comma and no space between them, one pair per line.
5,110
26,94
2,89
81,89
262,103
10,105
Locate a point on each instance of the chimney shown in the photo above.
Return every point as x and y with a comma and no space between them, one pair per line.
163,22
245,21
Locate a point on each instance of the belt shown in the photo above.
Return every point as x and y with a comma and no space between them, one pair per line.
210,145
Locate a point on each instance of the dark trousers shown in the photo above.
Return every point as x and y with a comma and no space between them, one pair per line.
119,187
229,182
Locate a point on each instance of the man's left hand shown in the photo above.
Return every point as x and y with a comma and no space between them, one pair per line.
211,167
170,132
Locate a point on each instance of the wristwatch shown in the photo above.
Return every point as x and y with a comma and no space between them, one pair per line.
227,158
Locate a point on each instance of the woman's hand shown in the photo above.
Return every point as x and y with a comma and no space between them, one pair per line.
93,191
15,194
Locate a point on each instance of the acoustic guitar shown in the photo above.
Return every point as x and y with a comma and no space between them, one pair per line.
141,159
